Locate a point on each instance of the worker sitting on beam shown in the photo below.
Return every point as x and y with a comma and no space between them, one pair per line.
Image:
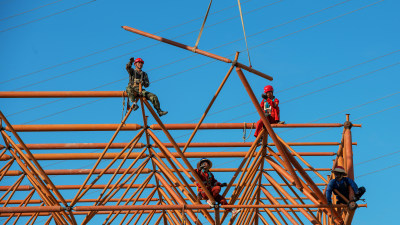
342,184
137,77
203,170
271,109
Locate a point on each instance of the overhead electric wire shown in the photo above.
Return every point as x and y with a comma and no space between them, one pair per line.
110,48
31,10
376,171
380,111
119,56
214,48
379,157
42,18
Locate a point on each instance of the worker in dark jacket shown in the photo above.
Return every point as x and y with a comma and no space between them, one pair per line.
136,77
270,106
342,183
203,170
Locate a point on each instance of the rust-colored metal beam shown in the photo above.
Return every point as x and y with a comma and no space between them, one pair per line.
212,126
113,127
31,209
196,50
56,146
73,127
101,186
62,94
145,170
82,156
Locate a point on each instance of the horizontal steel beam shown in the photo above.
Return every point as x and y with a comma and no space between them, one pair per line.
144,171
191,126
168,145
85,156
62,94
102,186
73,127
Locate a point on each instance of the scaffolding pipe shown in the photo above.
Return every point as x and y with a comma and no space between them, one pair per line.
196,50
73,127
62,94
85,156
55,146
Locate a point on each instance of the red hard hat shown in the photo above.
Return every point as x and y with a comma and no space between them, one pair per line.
268,88
139,60
339,169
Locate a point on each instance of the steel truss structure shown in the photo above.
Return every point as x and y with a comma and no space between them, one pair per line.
272,183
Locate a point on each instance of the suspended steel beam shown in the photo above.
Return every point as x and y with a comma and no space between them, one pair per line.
196,50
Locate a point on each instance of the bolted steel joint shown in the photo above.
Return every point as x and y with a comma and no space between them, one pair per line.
353,205
148,146
216,205
68,208
234,62
348,125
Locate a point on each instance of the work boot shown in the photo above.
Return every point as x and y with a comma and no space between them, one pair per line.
235,212
135,106
162,113
210,203
281,122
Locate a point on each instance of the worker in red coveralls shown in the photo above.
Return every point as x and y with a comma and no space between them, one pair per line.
270,105
203,170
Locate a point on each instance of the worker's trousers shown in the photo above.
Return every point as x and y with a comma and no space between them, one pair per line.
133,93
215,193
260,125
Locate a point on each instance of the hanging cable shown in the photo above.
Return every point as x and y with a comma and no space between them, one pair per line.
202,27
244,32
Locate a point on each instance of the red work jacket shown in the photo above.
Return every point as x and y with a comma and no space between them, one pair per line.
208,179
275,113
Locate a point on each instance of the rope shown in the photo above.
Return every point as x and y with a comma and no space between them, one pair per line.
202,26
244,32
123,105
244,131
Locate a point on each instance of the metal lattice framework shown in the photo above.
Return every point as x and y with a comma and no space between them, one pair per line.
272,183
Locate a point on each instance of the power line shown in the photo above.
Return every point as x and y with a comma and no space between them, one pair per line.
376,171
42,18
185,70
352,120
31,10
110,48
111,59
383,156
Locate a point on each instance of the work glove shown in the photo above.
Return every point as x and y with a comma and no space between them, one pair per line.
132,59
264,95
224,184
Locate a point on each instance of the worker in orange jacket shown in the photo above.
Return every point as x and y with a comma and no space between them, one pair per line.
203,170
270,106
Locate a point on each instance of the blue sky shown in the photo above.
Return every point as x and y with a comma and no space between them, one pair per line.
328,58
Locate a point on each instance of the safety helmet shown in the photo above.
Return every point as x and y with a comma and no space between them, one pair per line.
339,169
268,88
138,60
202,160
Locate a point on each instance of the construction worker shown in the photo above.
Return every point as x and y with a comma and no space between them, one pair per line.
271,109
203,170
136,77
342,183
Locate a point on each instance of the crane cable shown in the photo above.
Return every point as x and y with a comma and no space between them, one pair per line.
244,32
202,27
